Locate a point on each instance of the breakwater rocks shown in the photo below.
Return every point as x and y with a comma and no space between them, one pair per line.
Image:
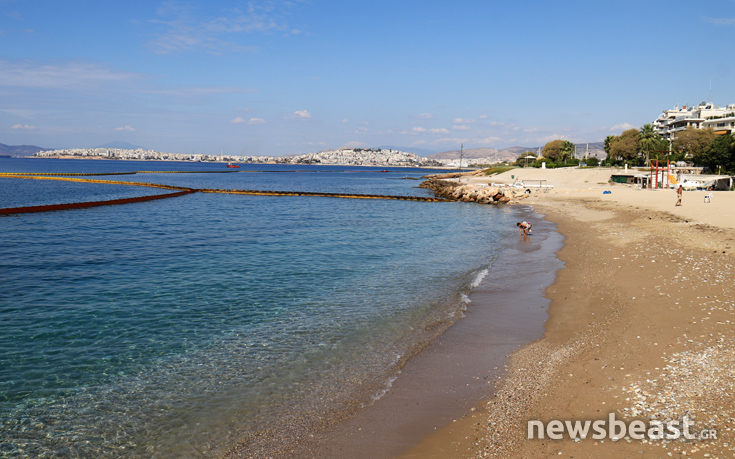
452,188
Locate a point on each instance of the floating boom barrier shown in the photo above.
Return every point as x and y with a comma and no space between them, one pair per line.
180,191
83,205
81,174
326,195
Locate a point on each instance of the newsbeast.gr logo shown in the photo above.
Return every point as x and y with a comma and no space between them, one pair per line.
616,429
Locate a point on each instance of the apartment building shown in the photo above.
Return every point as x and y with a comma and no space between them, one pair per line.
704,115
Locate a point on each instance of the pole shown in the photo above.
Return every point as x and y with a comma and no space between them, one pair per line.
461,147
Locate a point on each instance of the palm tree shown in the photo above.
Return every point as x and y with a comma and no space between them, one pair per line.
648,137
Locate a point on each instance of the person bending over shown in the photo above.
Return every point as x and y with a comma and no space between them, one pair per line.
524,228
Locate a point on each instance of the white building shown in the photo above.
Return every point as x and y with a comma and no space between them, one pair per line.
704,115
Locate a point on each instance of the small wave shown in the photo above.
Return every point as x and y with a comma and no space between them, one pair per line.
464,299
479,277
385,390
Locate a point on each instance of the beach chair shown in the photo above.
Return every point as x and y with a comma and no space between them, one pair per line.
708,197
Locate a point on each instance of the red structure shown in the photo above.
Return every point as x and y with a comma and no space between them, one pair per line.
654,183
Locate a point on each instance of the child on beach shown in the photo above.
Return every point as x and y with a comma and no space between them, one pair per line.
524,228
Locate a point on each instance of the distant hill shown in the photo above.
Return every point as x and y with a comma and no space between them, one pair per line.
512,153
20,150
506,154
119,144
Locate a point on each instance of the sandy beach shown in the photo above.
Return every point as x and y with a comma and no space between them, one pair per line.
640,325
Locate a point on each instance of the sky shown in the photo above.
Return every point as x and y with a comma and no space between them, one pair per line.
272,77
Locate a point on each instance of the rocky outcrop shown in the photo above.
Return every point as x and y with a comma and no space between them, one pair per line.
480,193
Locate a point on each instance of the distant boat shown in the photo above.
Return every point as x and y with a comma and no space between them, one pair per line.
233,165
384,170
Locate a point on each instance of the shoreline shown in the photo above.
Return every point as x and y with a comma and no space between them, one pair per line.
453,372
641,325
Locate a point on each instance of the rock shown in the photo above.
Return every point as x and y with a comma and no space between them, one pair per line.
467,192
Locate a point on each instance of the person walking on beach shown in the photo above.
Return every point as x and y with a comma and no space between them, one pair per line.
679,192
524,228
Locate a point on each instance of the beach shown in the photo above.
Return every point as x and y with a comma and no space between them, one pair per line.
619,304
640,325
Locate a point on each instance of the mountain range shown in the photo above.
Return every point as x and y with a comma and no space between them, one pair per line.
512,153
20,150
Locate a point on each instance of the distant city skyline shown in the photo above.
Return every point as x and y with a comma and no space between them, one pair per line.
272,77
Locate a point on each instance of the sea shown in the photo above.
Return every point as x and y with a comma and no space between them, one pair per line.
181,327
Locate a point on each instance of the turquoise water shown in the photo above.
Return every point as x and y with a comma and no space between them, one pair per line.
177,328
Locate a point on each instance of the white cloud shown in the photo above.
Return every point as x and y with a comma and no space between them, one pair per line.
721,21
127,128
460,127
488,141
462,121
241,120
549,138
453,140
202,91
440,131
189,29
31,74
622,127
23,127
424,116
298,114
418,129
345,121
483,117
19,112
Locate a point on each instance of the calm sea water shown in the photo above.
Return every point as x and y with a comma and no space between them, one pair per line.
179,327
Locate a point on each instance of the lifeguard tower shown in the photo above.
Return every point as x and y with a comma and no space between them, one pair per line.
661,176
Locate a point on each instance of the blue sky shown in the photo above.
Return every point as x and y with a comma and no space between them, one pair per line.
288,77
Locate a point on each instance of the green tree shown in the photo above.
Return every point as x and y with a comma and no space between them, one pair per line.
558,150
693,142
607,144
625,146
567,150
660,149
719,154
648,139
552,150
